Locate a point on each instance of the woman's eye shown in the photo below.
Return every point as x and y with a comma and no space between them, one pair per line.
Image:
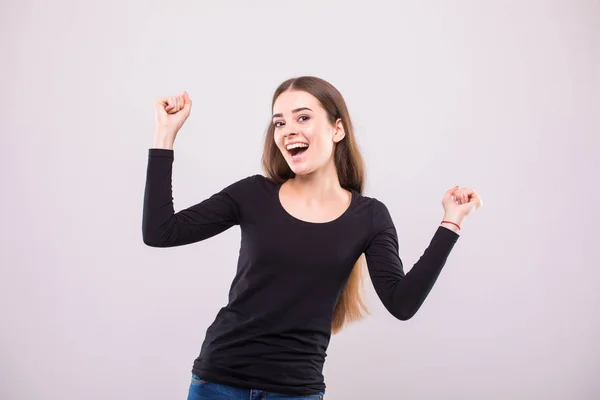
300,118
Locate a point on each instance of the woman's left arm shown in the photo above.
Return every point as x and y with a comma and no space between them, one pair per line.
403,294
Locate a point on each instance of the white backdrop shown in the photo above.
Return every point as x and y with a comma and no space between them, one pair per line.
499,96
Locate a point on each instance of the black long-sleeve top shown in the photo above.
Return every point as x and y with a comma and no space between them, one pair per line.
274,332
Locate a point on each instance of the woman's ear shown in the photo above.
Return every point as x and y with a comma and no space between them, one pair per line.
339,132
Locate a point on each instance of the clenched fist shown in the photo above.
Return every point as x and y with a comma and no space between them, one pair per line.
171,113
461,202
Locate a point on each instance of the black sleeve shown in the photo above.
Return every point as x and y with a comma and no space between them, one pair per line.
162,227
403,294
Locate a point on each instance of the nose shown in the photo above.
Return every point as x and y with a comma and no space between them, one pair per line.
290,132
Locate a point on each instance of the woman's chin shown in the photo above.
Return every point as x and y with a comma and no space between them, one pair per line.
299,170
298,166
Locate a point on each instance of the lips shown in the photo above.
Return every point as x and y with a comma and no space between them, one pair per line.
296,149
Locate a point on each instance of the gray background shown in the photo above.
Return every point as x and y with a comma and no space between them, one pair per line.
499,96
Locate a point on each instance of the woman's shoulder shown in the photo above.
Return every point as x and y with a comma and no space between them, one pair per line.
372,203
255,180
250,180
249,186
374,210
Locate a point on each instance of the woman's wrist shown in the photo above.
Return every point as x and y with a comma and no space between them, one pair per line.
452,222
162,141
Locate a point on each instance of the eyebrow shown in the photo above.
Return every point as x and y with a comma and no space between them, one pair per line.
293,111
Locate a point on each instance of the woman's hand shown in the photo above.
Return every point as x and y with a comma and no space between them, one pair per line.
460,203
171,113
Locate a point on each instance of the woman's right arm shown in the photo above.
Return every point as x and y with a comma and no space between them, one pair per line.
161,226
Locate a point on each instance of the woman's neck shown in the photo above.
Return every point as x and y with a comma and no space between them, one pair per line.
319,186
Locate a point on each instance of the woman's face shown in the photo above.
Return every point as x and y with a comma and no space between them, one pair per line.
303,132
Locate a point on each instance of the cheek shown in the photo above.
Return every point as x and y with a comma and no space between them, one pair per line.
322,140
278,139
328,148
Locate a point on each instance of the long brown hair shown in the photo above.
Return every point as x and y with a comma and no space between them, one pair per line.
351,173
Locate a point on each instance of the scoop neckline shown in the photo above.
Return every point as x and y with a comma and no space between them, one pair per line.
301,221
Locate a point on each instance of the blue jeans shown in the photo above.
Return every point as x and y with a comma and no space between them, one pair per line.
204,390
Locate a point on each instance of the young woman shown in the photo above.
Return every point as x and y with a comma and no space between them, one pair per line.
305,228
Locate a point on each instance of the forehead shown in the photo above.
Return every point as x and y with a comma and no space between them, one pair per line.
290,100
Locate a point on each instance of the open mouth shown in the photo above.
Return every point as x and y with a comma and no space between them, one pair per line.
297,148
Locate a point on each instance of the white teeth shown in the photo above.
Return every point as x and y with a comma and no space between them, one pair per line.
296,145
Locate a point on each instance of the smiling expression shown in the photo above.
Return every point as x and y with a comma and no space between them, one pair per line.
303,131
